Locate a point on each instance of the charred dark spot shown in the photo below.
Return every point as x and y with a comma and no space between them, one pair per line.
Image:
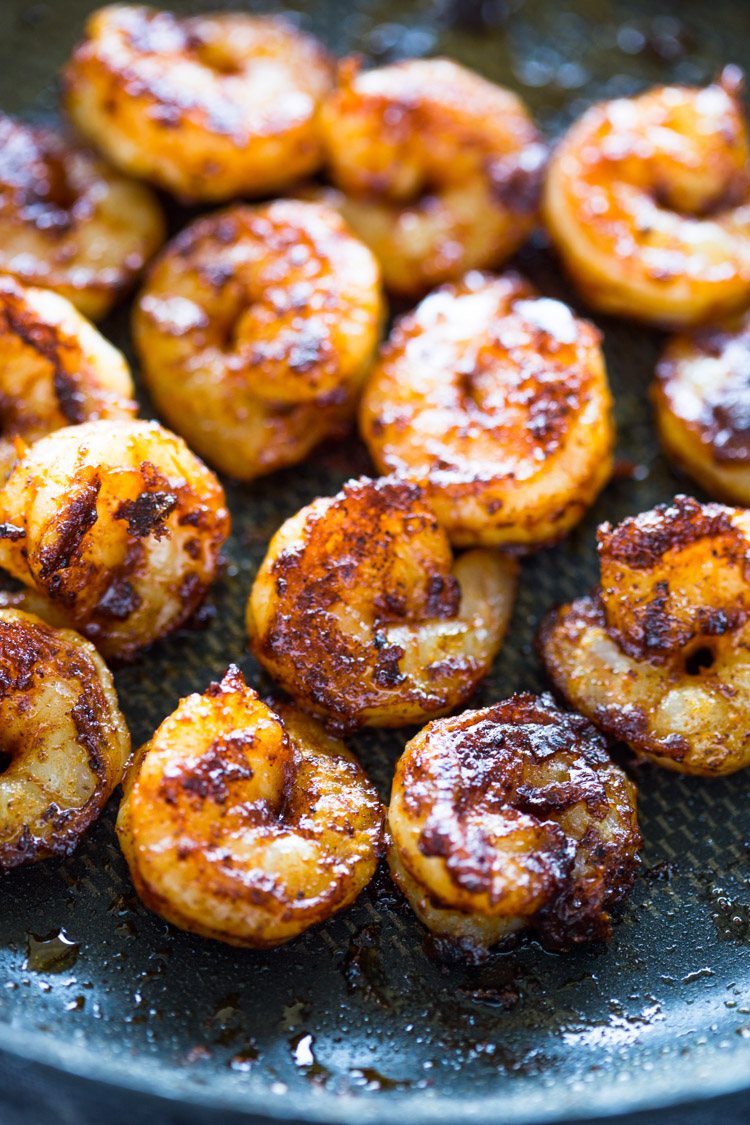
119,600
10,531
641,541
70,527
146,514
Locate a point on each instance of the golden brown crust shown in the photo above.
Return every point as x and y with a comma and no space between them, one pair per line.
645,200
208,107
256,329
245,822
440,169
659,655
514,813
63,736
69,222
360,613
498,400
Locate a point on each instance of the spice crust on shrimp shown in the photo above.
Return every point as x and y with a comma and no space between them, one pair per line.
246,822
115,528
509,818
659,655
64,740
55,369
361,613
497,399
647,200
701,398
208,107
439,170
256,329
68,221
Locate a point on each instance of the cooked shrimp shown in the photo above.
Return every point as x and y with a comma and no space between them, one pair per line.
702,401
659,655
256,329
440,169
246,822
65,743
69,222
512,817
55,369
118,526
362,615
648,202
498,400
208,107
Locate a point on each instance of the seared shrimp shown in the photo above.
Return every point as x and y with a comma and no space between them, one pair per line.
362,615
702,401
659,655
55,369
498,400
68,221
65,744
117,526
440,169
647,200
256,329
208,107
246,822
508,818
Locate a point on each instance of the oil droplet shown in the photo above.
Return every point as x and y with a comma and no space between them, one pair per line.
76,1005
372,1079
303,1056
245,1059
55,953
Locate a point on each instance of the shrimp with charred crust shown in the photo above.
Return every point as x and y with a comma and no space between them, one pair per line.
438,170
68,221
64,742
246,822
701,397
646,200
497,400
256,329
658,656
361,613
55,369
115,528
209,107
512,819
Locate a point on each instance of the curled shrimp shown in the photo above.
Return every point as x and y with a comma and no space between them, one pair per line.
68,221
65,743
246,822
508,818
659,655
440,170
498,400
647,201
115,527
208,107
55,369
701,397
256,329
362,615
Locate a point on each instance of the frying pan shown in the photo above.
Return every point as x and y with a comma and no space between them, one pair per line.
106,1011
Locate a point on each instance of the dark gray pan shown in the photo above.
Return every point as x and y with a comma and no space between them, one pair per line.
353,1022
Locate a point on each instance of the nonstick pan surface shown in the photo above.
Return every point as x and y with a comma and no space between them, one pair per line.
353,1021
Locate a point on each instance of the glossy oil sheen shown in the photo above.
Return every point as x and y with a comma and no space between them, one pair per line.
353,1021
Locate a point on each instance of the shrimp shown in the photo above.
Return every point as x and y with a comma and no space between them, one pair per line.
497,399
65,743
69,222
55,369
701,397
256,330
659,655
245,822
207,107
362,615
116,527
647,200
439,170
509,818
